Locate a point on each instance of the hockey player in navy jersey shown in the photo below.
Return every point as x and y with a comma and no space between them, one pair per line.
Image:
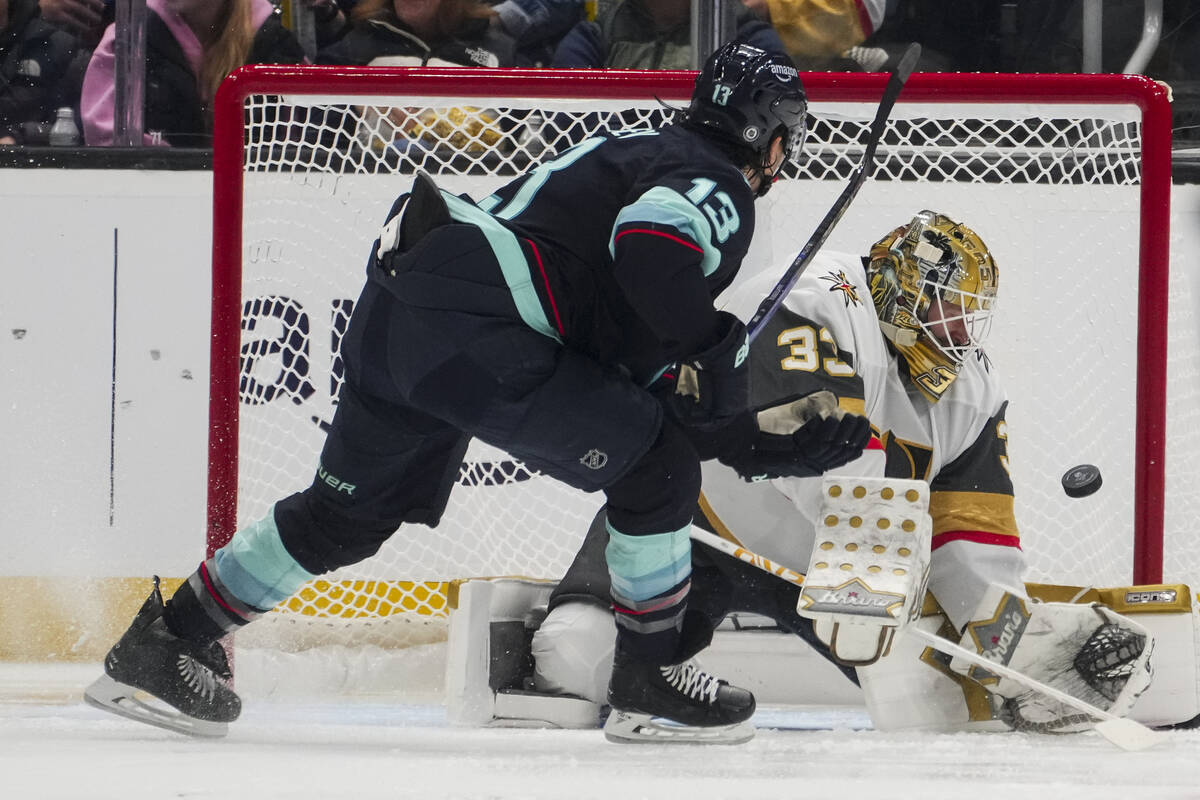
896,335
568,319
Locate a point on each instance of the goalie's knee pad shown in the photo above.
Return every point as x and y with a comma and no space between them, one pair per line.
659,492
1088,651
573,651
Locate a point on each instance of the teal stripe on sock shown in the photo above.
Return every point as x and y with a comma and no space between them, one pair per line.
641,567
257,569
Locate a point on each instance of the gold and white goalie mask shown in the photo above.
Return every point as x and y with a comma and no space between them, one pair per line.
933,283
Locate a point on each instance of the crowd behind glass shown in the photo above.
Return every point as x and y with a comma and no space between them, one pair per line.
60,60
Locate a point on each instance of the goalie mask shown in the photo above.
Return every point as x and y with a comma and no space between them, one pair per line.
933,283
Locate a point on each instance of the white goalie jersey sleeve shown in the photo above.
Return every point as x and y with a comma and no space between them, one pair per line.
826,336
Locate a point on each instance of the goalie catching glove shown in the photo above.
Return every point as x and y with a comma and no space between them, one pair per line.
1087,651
798,439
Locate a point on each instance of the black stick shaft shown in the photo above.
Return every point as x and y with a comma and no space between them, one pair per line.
771,303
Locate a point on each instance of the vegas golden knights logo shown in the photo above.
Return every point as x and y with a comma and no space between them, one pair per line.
842,284
936,379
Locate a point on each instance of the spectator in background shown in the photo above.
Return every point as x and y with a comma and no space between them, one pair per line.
34,58
83,19
538,25
191,45
650,34
826,34
410,33
330,18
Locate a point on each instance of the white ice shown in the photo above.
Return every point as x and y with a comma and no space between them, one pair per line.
54,746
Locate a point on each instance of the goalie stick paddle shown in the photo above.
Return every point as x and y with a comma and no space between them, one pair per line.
1125,733
771,303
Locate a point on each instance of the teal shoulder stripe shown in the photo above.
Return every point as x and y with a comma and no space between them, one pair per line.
538,176
665,206
512,263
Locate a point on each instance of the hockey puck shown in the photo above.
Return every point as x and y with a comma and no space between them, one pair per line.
1082,480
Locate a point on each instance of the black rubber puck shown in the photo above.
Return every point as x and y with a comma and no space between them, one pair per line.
1082,480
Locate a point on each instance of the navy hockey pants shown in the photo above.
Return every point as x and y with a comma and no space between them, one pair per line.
434,355
437,351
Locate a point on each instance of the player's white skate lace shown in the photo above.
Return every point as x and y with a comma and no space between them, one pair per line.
152,676
692,681
677,704
199,678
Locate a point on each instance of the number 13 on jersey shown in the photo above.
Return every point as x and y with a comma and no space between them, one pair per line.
718,208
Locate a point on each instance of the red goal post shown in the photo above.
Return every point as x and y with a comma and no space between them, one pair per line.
1067,177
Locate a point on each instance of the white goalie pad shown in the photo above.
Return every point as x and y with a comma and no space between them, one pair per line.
914,687
488,663
870,564
1088,651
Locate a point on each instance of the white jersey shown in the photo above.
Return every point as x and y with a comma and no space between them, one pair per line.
826,336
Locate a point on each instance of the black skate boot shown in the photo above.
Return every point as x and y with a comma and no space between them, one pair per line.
188,677
677,703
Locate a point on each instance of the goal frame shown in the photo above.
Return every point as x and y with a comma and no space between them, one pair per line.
1150,97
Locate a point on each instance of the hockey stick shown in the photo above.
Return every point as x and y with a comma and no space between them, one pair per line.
1128,734
772,301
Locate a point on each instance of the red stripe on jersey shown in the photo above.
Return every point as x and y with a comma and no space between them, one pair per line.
681,241
874,444
553,306
212,591
979,537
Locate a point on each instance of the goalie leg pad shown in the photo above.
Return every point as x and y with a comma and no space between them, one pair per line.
573,651
488,660
870,564
1088,651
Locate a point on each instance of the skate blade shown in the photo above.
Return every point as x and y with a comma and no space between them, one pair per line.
625,727
132,703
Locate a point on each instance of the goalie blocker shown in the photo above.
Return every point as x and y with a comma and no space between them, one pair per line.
869,565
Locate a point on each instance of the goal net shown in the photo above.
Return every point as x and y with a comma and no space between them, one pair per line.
1065,177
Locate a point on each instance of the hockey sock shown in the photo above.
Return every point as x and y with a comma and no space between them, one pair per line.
241,582
650,578
203,610
649,551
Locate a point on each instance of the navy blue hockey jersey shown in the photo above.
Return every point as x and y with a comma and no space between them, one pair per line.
621,244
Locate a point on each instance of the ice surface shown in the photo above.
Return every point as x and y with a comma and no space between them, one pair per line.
54,746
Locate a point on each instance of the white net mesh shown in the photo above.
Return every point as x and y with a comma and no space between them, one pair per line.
1053,190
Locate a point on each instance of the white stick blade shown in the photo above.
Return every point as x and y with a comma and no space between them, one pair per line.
1128,734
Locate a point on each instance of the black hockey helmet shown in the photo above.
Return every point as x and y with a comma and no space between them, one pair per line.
744,95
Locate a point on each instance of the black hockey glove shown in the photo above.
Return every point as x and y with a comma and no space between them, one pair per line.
708,390
798,439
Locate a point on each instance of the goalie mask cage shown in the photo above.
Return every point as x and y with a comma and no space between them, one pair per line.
1067,178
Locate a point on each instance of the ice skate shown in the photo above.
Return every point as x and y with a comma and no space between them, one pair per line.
679,703
155,677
